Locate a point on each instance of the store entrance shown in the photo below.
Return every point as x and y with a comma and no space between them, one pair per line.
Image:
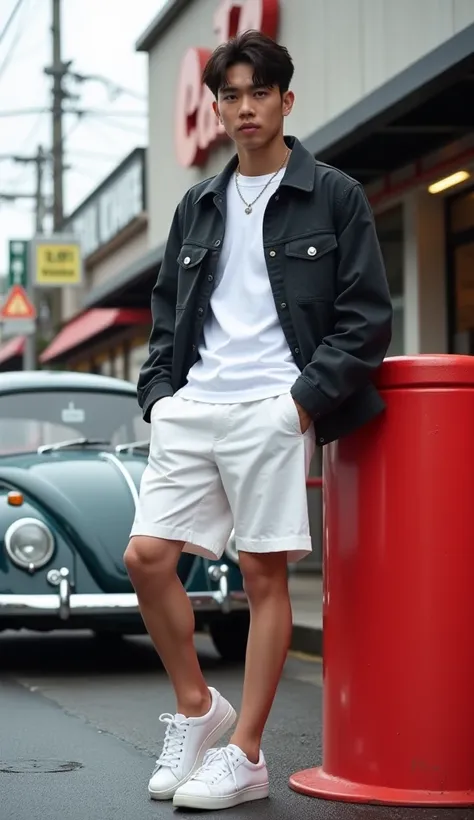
460,222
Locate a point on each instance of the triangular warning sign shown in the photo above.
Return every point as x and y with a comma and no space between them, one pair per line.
17,305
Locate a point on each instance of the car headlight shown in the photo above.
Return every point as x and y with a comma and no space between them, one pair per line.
231,550
29,543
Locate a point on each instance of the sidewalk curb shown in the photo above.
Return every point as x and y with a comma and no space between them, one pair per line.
307,639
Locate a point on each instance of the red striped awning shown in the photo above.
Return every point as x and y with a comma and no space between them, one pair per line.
12,349
91,324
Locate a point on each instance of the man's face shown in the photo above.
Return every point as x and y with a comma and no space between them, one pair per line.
252,116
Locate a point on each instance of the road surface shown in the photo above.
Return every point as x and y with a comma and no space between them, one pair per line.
79,734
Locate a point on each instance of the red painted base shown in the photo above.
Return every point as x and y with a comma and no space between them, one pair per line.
316,783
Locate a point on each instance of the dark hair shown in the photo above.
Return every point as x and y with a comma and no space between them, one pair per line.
271,63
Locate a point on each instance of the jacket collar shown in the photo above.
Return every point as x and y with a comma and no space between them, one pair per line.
299,173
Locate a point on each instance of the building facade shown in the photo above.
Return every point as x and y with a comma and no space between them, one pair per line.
112,225
383,91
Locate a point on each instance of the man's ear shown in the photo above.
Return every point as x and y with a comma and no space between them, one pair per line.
288,102
216,110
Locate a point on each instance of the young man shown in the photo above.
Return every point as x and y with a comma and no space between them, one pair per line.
271,312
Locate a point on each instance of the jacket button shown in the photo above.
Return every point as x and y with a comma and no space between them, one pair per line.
217,243
312,251
193,348
210,278
272,253
297,350
187,260
200,311
277,197
283,305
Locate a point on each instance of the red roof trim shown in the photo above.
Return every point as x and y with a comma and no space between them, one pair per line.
12,348
89,325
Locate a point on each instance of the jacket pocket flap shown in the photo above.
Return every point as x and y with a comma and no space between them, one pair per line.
191,255
311,247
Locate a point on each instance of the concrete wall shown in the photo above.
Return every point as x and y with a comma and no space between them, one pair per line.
343,50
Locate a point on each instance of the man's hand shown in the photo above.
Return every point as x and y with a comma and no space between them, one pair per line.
305,418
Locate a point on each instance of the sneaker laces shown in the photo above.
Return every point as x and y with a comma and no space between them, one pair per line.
217,763
173,742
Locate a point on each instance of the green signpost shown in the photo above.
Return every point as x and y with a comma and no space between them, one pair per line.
18,263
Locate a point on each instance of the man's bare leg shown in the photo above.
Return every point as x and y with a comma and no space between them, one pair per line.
266,584
169,618
202,716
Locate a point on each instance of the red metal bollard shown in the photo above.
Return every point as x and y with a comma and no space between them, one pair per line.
398,609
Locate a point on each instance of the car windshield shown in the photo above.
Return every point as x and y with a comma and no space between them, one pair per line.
31,420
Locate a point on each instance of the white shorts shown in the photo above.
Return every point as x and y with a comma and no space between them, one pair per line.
217,467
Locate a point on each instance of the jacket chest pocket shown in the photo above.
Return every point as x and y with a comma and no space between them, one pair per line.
310,267
190,263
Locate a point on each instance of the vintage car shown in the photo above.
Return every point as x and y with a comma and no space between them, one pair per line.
73,447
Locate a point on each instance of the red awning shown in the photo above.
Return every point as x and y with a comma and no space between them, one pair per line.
12,348
91,324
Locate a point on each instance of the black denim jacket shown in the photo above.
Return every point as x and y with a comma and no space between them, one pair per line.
328,280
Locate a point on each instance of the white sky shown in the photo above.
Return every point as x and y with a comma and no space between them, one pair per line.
99,37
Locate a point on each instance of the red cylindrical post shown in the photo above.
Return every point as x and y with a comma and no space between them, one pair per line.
398,608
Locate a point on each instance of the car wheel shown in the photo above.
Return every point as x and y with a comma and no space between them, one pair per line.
229,635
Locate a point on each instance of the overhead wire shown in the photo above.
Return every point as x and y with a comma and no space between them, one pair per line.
10,20
93,117
19,34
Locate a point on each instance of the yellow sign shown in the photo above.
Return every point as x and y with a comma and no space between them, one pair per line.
58,264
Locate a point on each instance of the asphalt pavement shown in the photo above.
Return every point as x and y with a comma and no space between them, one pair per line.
79,733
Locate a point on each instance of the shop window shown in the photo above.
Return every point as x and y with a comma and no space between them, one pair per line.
108,364
462,213
138,356
120,363
461,271
389,226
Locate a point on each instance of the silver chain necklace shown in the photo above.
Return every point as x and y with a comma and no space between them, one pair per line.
249,205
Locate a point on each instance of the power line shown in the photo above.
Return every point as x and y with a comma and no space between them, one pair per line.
4,65
99,155
116,125
80,112
113,88
20,112
99,112
11,19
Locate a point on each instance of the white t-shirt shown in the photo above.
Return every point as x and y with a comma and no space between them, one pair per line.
244,354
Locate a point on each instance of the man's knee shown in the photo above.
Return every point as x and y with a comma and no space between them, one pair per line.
264,575
147,556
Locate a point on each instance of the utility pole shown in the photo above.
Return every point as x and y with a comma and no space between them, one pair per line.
40,209
58,71
29,353
39,160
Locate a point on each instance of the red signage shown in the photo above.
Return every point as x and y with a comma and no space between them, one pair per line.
17,305
196,126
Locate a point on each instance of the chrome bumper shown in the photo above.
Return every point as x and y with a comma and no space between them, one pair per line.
65,604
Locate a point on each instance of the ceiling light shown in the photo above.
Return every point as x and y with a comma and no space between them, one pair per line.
448,182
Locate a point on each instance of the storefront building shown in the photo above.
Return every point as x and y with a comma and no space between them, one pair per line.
112,225
383,91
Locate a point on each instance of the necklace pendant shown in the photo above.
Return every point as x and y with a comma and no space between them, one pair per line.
248,209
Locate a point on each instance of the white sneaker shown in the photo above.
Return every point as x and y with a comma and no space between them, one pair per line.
226,778
186,742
